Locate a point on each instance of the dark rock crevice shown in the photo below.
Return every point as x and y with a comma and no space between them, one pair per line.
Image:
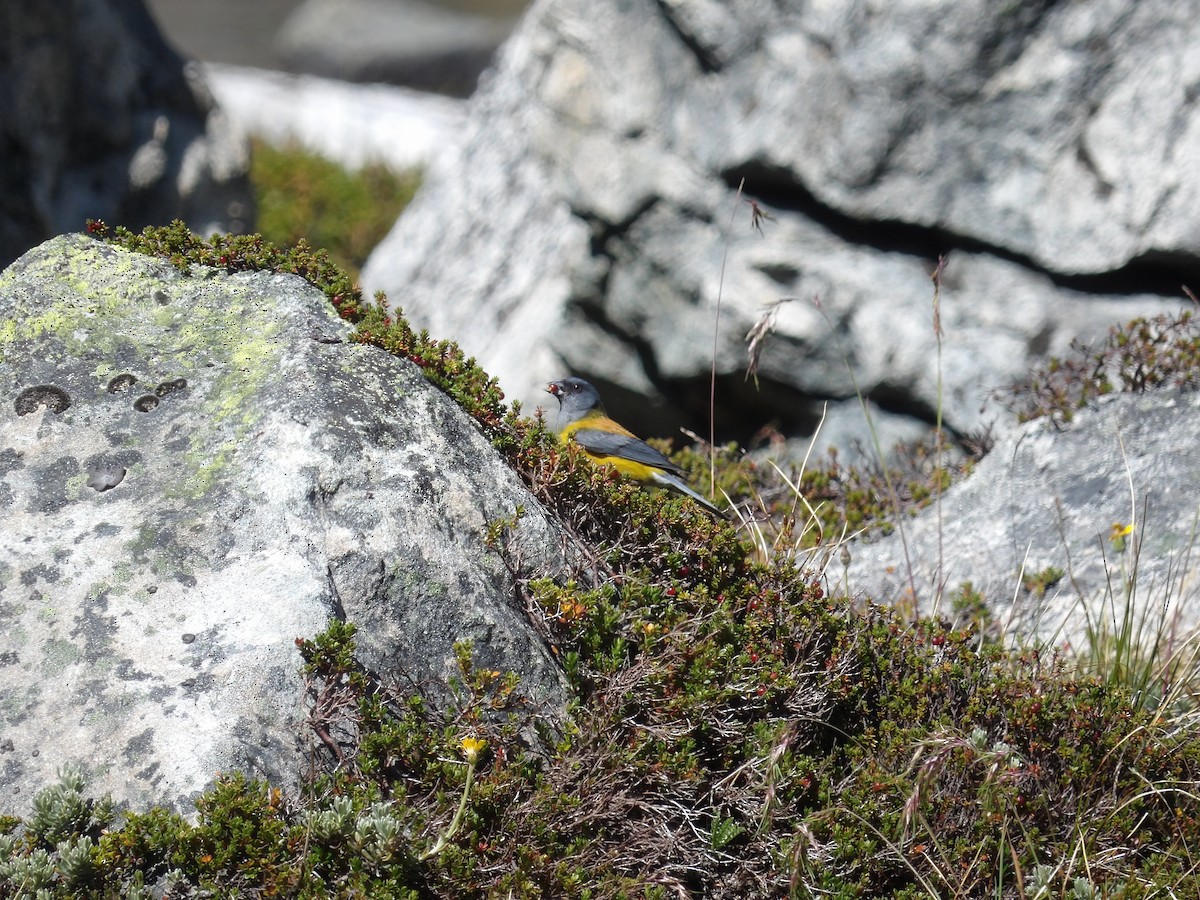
777,188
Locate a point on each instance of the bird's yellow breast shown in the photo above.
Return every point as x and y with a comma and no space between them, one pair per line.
630,468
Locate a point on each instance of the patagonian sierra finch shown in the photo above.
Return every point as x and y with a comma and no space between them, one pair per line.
582,419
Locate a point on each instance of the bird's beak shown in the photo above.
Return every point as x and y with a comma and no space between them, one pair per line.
553,388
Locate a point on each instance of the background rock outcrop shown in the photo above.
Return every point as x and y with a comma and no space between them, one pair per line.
438,45
421,45
1047,150
195,470
1054,500
99,118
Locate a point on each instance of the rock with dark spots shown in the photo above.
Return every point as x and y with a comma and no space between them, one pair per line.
99,118
104,475
47,395
285,476
1036,527
1047,149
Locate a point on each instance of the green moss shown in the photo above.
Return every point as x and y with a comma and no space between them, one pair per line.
238,253
302,196
1037,583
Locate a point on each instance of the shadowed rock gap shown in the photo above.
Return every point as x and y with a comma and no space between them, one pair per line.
1153,273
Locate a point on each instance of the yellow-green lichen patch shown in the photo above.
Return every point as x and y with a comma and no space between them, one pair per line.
151,336
16,635
80,290
122,575
142,543
57,654
76,486
416,582
240,338
29,329
98,591
158,553
129,300
204,466
15,704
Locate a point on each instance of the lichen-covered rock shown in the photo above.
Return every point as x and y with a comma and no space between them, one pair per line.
195,470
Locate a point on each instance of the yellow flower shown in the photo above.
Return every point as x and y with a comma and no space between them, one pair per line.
1118,534
472,747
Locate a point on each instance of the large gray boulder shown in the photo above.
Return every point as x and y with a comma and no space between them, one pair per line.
99,118
584,224
429,46
1053,499
195,470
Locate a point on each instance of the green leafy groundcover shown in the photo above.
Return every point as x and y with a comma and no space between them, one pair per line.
733,732
300,195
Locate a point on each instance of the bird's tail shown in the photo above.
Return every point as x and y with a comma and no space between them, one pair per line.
668,480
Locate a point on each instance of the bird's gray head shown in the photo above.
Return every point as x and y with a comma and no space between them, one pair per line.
576,399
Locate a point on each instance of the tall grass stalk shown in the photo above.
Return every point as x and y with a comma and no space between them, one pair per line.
939,447
712,378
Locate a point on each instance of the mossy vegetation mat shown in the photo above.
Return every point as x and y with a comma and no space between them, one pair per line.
734,730
301,196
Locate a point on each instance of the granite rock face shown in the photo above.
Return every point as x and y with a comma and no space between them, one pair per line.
1054,499
99,118
591,219
195,470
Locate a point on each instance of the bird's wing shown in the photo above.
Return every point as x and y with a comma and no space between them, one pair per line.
624,446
